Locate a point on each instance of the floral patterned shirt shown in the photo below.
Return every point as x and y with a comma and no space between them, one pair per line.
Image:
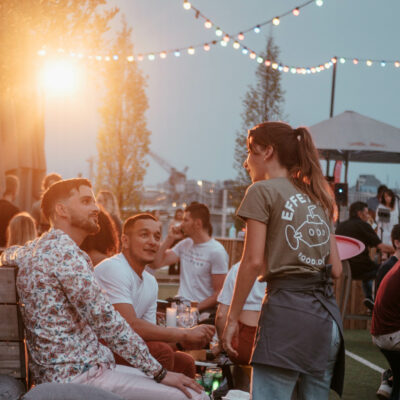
65,312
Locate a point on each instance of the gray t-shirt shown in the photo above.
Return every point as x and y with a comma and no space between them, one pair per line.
298,231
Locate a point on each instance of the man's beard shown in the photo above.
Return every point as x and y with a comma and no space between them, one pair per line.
87,224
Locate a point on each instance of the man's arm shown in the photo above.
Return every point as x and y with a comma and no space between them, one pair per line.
217,283
220,319
385,248
197,337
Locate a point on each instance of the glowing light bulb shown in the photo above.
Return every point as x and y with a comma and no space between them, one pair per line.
163,54
151,57
208,24
369,63
240,36
177,53
328,65
355,61
218,32
285,68
99,58
186,5
319,3
276,21
253,55
191,51
206,47
334,60
383,63
313,70
140,57
296,12
226,38
267,63
257,29
223,43
236,45
342,60
260,60
397,64
293,70
245,50
274,65
115,57
107,58
130,58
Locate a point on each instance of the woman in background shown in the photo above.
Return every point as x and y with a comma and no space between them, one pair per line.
288,212
21,229
387,215
103,244
108,200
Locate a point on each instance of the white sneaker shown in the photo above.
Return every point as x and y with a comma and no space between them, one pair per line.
385,389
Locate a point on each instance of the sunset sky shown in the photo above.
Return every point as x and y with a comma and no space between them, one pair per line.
196,100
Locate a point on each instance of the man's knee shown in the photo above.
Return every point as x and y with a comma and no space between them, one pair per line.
163,353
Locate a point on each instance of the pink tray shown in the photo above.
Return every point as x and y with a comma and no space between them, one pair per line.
348,247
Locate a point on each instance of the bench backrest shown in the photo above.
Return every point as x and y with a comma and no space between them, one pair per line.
12,343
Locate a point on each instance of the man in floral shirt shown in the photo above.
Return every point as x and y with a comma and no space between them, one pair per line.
65,311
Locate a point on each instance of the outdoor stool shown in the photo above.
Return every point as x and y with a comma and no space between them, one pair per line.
393,358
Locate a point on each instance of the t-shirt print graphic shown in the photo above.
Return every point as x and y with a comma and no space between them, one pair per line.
310,230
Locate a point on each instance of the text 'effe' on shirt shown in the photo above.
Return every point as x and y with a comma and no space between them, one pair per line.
298,231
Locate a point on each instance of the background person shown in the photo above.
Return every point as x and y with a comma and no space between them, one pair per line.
387,215
7,207
373,202
133,292
288,212
104,243
108,200
21,229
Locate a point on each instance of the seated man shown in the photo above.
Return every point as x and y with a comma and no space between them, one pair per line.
203,260
248,320
362,267
133,292
65,312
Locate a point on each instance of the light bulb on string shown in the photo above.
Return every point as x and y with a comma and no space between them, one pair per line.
369,63
257,29
355,61
252,55
319,3
296,12
342,60
383,63
140,57
240,36
107,58
191,50
177,53
226,38
208,24
334,60
236,45
218,32
130,58
276,21
99,58
186,5
293,70
163,54
115,57
397,64
223,43
274,65
285,68
267,63
260,60
245,50
206,47
151,57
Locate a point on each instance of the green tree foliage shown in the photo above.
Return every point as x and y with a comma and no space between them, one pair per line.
263,102
123,139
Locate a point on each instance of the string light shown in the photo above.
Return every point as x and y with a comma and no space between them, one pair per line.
223,43
369,63
319,3
240,36
206,47
218,32
163,54
177,53
257,29
226,38
186,5
191,50
236,45
296,12
130,58
383,64
276,21
208,24
244,50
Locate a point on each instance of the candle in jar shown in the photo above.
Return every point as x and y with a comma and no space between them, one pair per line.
171,316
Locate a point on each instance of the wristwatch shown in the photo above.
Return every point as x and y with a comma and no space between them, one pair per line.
161,375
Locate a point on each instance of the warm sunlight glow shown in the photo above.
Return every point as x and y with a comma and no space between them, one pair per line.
60,76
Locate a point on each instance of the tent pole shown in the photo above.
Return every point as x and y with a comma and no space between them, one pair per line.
333,88
346,166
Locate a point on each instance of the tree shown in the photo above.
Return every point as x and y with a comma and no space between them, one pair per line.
263,102
123,139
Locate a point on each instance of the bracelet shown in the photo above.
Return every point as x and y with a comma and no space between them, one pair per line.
179,346
161,375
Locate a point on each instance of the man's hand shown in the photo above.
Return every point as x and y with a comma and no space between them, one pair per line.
231,330
175,233
198,337
181,382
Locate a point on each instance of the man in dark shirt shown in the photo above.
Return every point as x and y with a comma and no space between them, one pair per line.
7,208
357,227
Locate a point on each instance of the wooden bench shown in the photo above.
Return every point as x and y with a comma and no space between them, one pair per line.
13,353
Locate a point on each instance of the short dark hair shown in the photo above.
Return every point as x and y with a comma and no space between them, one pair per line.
50,178
60,190
356,207
200,211
12,182
395,234
106,240
131,221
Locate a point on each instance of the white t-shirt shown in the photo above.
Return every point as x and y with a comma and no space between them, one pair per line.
123,285
385,228
255,297
198,263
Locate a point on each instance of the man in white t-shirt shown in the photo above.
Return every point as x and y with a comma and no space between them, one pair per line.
203,260
248,319
133,292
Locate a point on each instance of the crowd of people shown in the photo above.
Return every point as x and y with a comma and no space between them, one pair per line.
90,300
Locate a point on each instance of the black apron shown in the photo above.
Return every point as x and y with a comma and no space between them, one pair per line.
295,326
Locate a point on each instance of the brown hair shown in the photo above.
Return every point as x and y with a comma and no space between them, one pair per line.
106,240
200,211
20,229
297,153
109,196
130,222
58,191
12,182
49,179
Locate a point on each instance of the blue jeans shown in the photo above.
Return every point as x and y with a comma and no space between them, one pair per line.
275,383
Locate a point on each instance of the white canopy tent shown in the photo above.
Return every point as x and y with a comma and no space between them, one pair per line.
353,137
